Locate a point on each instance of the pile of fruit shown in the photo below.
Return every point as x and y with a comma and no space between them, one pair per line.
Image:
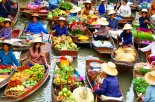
125,54
2,19
65,96
83,38
140,85
64,43
24,79
57,12
92,19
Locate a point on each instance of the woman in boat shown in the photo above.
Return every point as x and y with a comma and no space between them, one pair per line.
144,21
7,57
103,32
124,10
150,93
36,54
6,32
110,85
102,8
152,8
60,29
126,35
113,23
150,47
5,9
53,4
88,9
35,27
118,5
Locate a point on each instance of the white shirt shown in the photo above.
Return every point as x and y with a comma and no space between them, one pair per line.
124,11
149,47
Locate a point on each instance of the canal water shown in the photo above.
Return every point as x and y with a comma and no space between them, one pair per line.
44,93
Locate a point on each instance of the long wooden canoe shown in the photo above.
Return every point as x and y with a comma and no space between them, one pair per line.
105,50
124,21
124,65
90,79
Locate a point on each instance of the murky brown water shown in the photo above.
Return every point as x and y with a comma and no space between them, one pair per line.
44,93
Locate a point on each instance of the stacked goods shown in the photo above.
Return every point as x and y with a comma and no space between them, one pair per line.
4,72
66,5
64,43
83,38
92,19
100,43
24,80
125,54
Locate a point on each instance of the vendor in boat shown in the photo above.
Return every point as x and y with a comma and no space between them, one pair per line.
150,47
36,53
126,35
35,27
124,10
113,23
152,8
88,9
102,8
144,21
103,32
60,29
53,4
150,93
5,9
6,32
110,85
7,57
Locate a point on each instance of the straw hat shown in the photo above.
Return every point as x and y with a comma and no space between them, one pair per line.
109,68
83,94
127,27
111,12
35,15
102,21
102,0
8,42
150,77
75,9
7,20
37,40
143,10
87,2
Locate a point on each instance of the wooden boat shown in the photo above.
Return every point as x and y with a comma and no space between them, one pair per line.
105,50
6,80
90,79
125,20
27,12
124,65
87,33
56,89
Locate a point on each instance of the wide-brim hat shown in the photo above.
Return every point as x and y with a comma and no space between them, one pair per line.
37,40
83,94
109,68
8,20
103,0
127,27
8,42
111,12
102,21
75,9
87,2
150,77
143,11
35,15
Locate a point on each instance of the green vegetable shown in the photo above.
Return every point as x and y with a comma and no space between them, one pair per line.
140,85
66,5
7,70
144,71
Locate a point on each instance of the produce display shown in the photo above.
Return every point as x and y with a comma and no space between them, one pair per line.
140,85
2,19
125,54
83,38
100,43
64,43
24,79
91,19
5,71
66,5
71,19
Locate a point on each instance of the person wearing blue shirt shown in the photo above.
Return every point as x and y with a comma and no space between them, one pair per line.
109,85
113,23
53,4
102,9
126,35
35,27
150,91
144,21
7,57
60,28
5,9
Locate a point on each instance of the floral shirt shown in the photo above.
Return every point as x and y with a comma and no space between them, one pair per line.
6,33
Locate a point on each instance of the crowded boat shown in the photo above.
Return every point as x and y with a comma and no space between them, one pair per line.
82,50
